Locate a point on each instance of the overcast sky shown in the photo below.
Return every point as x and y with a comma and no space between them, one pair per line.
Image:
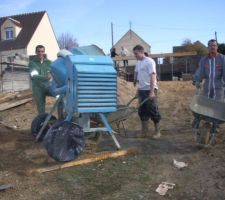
161,23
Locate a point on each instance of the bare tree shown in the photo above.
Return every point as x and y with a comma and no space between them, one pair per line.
67,41
186,42
221,48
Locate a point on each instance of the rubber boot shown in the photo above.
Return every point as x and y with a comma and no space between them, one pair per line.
144,129
157,131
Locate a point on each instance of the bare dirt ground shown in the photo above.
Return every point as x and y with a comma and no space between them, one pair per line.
132,177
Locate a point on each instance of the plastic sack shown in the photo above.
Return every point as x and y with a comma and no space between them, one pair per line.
64,141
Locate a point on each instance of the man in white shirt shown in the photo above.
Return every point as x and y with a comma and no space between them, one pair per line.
145,74
124,53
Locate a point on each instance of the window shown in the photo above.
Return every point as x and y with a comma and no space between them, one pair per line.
9,33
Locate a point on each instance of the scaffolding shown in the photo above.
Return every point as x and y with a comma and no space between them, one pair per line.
170,66
14,76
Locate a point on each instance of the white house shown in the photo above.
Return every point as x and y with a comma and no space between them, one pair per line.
20,34
129,40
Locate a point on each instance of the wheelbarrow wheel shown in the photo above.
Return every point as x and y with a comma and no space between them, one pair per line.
204,133
38,122
95,138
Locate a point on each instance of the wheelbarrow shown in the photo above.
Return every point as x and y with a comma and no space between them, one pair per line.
123,113
208,114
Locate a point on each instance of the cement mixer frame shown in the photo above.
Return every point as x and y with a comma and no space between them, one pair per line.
91,88
84,122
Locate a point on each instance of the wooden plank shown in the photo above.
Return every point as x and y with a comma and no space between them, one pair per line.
17,95
160,55
87,160
7,97
6,186
8,105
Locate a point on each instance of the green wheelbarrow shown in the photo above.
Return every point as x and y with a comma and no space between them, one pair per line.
208,114
123,113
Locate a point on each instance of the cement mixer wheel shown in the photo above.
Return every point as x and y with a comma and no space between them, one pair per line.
38,122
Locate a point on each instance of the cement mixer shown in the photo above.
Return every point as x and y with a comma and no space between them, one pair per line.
85,85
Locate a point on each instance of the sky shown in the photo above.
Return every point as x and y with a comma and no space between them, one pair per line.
162,23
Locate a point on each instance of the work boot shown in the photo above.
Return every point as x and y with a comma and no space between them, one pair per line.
144,129
157,131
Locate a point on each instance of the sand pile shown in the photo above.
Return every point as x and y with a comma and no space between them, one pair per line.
126,91
174,98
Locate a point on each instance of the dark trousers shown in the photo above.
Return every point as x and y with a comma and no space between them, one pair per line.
40,93
149,110
125,63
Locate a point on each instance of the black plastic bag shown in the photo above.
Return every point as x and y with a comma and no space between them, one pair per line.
64,141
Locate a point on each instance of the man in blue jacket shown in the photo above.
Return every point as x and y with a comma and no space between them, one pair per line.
212,70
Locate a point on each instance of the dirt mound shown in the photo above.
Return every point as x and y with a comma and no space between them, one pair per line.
126,91
131,177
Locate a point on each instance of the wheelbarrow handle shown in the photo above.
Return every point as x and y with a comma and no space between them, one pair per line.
145,100
128,104
131,101
198,86
136,109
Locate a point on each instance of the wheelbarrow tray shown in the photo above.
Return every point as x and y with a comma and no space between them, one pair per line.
123,113
208,107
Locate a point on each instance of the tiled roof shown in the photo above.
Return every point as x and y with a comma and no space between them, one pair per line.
28,22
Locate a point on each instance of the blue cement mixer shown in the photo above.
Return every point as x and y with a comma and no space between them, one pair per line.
85,86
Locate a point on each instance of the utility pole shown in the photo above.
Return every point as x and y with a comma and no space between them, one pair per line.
130,24
216,37
112,34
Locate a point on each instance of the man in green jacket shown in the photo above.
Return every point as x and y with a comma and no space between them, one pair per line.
40,76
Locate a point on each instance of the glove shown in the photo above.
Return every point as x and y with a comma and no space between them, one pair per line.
34,73
197,85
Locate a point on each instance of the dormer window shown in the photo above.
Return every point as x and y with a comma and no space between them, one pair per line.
9,33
